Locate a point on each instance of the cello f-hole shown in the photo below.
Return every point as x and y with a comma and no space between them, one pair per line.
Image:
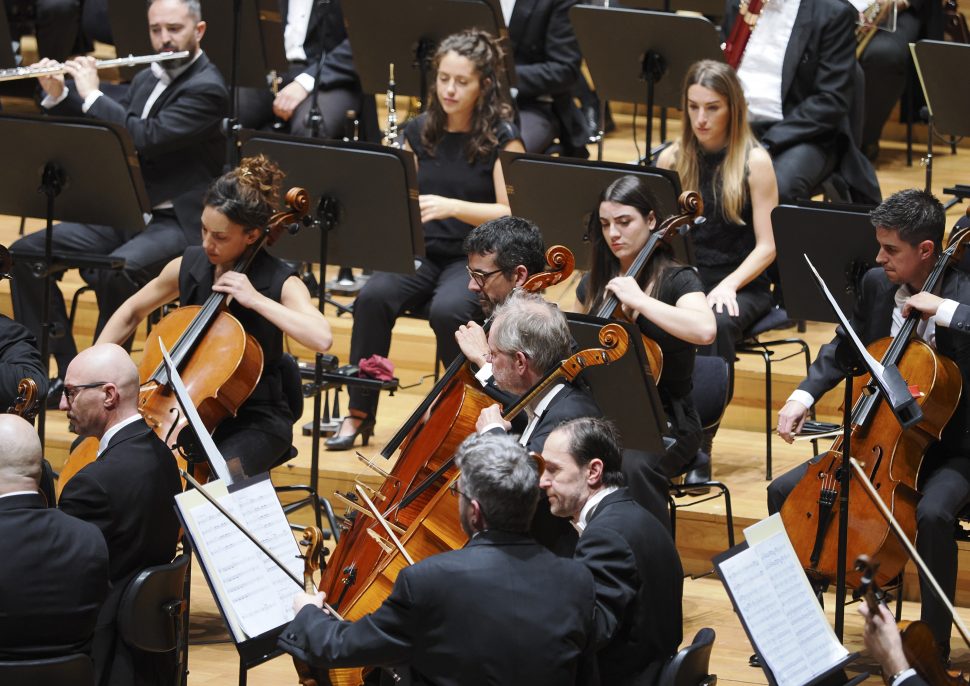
877,451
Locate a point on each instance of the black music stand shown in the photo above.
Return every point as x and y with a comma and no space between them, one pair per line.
353,216
407,32
72,170
812,228
653,47
936,63
559,194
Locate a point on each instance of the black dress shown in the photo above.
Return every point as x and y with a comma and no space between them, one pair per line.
719,248
439,287
263,427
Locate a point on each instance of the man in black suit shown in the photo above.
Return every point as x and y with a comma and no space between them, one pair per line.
909,228
172,112
547,65
127,492
54,575
639,579
803,93
19,359
478,615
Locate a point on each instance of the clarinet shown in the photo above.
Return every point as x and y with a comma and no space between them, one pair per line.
390,134
748,13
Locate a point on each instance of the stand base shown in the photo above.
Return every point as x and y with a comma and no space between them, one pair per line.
326,428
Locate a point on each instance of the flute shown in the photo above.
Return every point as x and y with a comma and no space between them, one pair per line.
52,70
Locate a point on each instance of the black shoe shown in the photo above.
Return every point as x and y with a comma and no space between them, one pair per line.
754,661
365,430
54,392
698,472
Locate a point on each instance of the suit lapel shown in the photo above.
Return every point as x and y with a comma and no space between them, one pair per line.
173,87
520,17
800,34
126,433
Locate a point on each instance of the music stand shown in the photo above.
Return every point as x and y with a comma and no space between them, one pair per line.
655,47
89,168
354,218
709,8
812,228
559,194
936,62
407,32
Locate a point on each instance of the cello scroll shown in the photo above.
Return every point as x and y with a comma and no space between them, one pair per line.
562,261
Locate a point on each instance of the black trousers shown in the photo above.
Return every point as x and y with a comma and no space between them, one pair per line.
442,287
800,168
946,491
145,254
885,63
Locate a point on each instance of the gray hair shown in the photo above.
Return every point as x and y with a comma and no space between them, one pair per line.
526,323
195,8
504,479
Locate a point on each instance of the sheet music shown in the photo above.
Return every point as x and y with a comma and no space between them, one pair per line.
781,613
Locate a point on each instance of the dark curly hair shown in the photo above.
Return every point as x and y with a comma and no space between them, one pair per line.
491,108
249,194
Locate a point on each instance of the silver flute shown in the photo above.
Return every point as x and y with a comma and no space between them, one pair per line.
391,135
54,69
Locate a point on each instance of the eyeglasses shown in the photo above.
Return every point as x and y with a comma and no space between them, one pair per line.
480,277
70,392
455,491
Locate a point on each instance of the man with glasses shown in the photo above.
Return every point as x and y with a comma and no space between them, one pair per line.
127,492
479,615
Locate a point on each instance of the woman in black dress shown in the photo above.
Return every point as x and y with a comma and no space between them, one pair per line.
456,142
667,302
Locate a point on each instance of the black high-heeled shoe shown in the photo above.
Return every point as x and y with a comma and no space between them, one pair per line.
365,430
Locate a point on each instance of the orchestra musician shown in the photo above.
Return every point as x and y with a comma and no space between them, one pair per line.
718,155
127,492
669,306
909,228
54,575
799,74
635,565
269,300
456,142
172,112
482,614
19,359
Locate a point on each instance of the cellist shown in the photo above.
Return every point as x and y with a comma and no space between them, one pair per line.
909,228
269,300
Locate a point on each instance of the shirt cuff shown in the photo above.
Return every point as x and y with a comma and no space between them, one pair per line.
944,313
802,398
489,427
306,81
484,375
49,102
903,676
88,101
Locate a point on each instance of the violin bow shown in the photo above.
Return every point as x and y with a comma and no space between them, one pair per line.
910,548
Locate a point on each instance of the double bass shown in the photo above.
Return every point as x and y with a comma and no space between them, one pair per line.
218,361
890,456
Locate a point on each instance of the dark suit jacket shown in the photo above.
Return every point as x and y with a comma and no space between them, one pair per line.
128,493
53,579
326,38
639,585
179,144
502,610
547,61
872,320
818,84
570,403
19,359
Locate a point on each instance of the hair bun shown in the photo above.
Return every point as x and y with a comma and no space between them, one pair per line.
262,175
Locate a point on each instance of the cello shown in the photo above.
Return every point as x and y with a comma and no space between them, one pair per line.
442,421
891,456
437,527
219,362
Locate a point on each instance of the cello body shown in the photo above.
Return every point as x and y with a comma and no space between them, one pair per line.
891,458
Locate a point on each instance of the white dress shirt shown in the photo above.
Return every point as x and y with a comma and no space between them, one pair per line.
764,55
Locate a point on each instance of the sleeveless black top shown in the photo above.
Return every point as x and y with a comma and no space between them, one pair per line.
449,174
719,245
266,409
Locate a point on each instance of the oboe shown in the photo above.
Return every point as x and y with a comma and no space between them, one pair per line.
55,69
390,135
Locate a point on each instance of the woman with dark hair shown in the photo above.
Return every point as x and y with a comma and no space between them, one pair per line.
269,300
718,155
666,300
456,142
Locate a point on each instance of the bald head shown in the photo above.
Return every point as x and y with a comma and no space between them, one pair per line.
20,455
104,385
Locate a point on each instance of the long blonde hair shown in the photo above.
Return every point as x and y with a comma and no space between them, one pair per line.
731,177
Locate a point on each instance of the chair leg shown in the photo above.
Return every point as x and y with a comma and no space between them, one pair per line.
767,358
672,507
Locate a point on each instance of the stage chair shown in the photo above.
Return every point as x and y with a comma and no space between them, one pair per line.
691,666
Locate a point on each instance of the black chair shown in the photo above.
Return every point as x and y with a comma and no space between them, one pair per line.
66,670
691,666
710,396
153,611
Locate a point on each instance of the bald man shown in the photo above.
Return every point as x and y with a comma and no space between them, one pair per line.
127,492
54,575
